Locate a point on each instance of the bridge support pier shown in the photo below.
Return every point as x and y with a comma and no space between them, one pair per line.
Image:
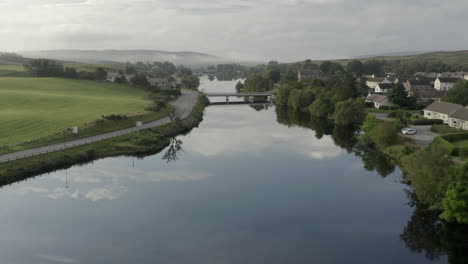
227,99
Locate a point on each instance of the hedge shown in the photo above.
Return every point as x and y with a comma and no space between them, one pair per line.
455,136
422,122
400,114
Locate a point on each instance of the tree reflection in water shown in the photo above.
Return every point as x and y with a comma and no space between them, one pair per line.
425,232
173,150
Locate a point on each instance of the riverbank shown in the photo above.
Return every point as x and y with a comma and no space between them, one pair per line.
141,143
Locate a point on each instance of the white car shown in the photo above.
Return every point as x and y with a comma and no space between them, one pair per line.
408,131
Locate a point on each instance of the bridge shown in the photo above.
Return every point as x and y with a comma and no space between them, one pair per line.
269,95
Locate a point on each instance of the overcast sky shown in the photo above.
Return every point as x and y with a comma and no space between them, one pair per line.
285,30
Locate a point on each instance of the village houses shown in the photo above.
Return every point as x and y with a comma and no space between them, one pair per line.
303,75
445,83
442,110
378,100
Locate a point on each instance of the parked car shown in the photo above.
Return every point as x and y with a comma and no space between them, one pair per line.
408,131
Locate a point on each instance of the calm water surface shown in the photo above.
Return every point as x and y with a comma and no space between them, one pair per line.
244,189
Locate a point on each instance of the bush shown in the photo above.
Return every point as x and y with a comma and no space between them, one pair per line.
463,152
369,105
455,203
455,152
455,136
423,122
386,134
384,107
114,117
400,114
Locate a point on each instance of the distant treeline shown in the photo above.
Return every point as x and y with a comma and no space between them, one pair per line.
8,57
51,68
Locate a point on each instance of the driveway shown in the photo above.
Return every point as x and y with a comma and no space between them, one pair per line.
423,137
183,107
381,116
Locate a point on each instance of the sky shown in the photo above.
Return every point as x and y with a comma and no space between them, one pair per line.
284,30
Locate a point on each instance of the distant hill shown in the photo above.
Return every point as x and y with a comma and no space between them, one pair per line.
448,57
392,54
100,56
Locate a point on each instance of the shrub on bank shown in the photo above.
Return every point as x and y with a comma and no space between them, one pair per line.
455,136
423,122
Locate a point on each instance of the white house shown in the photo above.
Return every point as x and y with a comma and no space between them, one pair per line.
444,83
441,110
465,77
378,100
384,87
459,119
112,75
374,81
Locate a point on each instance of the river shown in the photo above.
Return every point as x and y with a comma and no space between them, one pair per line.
249,185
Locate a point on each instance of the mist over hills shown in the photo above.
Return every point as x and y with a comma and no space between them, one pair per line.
99,56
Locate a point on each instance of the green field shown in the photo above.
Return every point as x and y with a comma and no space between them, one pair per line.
33,108
12,71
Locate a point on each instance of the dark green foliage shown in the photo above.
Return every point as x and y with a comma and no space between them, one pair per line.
282,95
101,74
273,75
44,68
399,96
70,72
257,83
385,134
455,203
349,112
140,80
114,117
190,82
331,68
239,86
422,122
456,136
400,114
321,107
428,172
458,94
355,67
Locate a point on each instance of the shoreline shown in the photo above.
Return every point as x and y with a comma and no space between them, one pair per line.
141,143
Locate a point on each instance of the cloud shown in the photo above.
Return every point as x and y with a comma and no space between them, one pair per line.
285,29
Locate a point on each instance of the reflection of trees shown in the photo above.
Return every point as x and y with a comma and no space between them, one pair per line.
260,107
374,160
426,233
344,137
173,150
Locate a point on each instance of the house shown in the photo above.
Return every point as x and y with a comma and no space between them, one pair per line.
384,87
374,81
428,95
459,119
414,85
465,77
112,75
441,110
445,83
378,100
303,75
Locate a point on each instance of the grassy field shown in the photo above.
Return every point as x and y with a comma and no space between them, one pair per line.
13,71
34,108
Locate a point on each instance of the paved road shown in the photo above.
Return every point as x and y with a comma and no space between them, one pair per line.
183,107
423,136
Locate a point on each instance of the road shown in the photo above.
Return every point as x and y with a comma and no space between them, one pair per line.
423,136
183,107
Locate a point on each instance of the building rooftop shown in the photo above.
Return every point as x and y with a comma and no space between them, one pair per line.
377,98
461,113
443,107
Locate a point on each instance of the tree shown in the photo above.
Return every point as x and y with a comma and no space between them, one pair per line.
140,80
428,171
282,96
399,96
455,203
273,75
239,86
190,82
101,74
458,94
256,83
349,112
386,134
321,107
356,67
